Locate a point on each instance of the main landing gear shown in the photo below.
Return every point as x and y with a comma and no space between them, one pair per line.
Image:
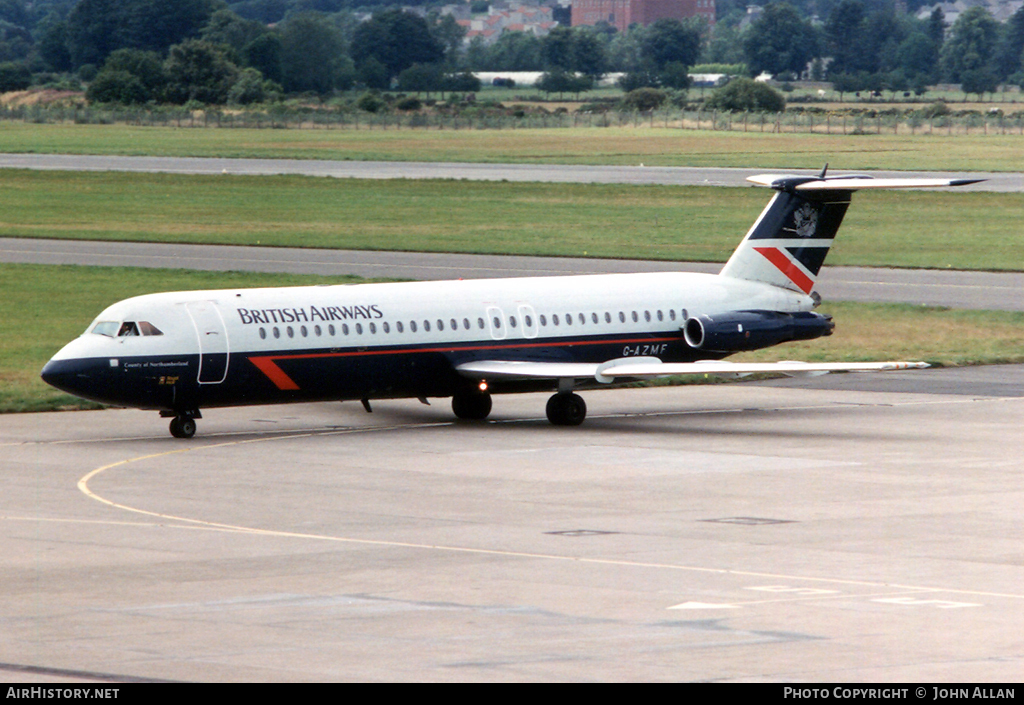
183,425
566,409
473,406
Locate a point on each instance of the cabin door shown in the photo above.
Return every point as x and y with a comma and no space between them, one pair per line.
213,341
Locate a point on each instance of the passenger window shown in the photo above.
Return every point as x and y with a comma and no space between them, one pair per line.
330,329
593,317
480,323
543,320
660,316
647,316
465,323
607,317
412,326
344,328
304,331
529,322
359,328
440,324
373,328
583,319
635,317
277,332
672,314
426,326
291,332
622,317
401,328
512,321
316,329
568,319
554,318
497,322
455,324
386,327
263,333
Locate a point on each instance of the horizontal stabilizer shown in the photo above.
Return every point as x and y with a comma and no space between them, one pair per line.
850,182
640,368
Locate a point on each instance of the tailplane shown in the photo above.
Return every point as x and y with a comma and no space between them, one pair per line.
788,243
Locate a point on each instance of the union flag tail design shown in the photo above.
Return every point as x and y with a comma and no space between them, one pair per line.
788,243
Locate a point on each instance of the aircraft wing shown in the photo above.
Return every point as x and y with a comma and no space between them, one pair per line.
645,367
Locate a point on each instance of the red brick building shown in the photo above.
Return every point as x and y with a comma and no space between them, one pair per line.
622,13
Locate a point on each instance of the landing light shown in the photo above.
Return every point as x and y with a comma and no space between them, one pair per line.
483,385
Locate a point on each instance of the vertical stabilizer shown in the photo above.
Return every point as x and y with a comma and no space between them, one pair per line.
789,241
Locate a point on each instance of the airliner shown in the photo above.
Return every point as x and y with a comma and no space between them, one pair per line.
181,352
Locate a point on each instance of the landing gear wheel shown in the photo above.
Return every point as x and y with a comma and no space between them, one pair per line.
183,427
566,409
474,407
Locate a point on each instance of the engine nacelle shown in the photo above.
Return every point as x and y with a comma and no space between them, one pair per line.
752,330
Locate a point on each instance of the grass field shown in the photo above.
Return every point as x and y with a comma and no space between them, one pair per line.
611,145
37,323
920,229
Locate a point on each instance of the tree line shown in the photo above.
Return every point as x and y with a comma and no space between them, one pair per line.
211,51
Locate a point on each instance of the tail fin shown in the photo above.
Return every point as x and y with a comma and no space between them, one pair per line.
787,245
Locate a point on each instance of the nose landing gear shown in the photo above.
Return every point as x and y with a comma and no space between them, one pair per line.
183,424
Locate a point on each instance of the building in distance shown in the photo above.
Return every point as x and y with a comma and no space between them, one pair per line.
622,13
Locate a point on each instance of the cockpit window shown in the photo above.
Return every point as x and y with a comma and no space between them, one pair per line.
107,328
114,329
147,328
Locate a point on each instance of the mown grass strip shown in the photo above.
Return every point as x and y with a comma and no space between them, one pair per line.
909,229
582,145
47,306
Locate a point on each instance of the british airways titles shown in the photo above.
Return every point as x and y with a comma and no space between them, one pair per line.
304,315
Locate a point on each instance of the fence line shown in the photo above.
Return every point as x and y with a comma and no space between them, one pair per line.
792,121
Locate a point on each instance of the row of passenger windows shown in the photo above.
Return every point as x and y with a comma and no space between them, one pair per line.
567,319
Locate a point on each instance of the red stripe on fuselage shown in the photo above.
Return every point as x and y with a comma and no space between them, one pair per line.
787,267
267,364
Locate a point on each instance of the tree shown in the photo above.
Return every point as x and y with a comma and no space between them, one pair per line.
143,65
200,71
742,94
53,44
311,53
665,41
95,28
225,27
589,53
115,86
397,40
14,76
557,48
779,41
560,82
264,53
644,99
971,45
420,78
843,31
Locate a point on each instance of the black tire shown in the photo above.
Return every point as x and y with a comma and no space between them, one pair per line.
473,407
566,409
183,427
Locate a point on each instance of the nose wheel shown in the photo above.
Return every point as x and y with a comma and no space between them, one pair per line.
184,425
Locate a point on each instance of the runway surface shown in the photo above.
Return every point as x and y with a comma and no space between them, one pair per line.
738,532
955,289
551,173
